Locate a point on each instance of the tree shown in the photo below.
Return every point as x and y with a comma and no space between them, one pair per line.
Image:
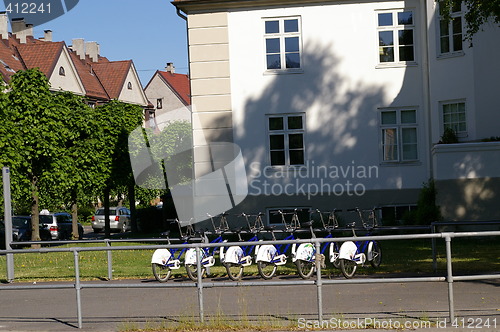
478,13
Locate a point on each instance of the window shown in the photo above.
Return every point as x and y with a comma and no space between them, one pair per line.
450,29
159,103
129,86
62,72
454,117
286,139
151,119
399,135
283,43
396,37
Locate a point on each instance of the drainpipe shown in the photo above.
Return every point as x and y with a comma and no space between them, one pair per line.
426,85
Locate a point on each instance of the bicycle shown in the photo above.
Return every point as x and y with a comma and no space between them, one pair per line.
236,258
272,256
207,254
357,253
166,260
306,259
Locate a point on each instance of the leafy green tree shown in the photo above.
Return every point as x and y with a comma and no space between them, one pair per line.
478,13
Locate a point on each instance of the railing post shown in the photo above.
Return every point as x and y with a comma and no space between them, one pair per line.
78,288
433,242
319,281
110,260
200,285
449,277
7,204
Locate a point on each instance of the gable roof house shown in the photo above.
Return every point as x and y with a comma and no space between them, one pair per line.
169,94
338,104
78,69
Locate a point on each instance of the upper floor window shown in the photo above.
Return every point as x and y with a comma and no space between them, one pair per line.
159,103
450,29
129,85
399,135
283,43
62,72
396,37
286,139
454,117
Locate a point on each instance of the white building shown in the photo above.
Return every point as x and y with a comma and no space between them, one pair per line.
338,104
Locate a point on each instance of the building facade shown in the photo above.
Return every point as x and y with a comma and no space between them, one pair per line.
342,104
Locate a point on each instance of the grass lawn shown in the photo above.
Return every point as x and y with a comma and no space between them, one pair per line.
470,256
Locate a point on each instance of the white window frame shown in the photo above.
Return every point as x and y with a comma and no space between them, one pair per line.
282,35
286,132
395,28
398,127
451,34
458,133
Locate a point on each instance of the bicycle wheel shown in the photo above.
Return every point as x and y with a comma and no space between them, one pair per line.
376,255
234,271
348,268
192,271
161,272
266,269
336,262
305,268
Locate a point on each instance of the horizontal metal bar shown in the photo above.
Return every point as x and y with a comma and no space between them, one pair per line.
384,280
41,286
476,277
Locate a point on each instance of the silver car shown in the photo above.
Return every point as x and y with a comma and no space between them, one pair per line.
119,220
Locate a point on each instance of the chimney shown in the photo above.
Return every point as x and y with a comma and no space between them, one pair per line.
170,67
19,29
47,35
4,25
79,47
92,50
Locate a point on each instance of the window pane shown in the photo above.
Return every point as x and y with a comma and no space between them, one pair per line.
389,117
295,122
277,158
387,54
408,117
273,61
272,27
410,152
390,144
445,44
444,28
292,25
277,142
409,135
405,37
276,124
272,45
405,18
386,38
292,60
292,44
297,157
384,19
406,53
457,43
296,141
456,6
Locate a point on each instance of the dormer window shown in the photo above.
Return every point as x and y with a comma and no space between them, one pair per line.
129,85
62,72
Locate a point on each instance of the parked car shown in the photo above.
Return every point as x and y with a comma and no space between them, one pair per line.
60,225
21,230
119,220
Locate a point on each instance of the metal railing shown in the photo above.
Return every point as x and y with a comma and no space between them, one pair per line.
201,284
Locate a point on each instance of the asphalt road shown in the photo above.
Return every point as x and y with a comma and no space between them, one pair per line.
105,309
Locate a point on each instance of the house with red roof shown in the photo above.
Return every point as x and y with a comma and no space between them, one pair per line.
78,68
169,95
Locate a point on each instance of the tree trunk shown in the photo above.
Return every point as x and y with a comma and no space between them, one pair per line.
107,230
35,212
133,210
74,215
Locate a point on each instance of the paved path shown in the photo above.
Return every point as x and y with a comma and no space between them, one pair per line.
389,305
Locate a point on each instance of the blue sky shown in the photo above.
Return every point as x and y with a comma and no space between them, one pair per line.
148,32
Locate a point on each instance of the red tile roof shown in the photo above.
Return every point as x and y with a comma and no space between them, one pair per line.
41,55
91,83
112,75
179,84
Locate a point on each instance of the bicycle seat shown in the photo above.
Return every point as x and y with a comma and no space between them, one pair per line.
270,228
307,224
236,230
351,225
165,234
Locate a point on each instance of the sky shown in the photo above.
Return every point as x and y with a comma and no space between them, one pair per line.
149,32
